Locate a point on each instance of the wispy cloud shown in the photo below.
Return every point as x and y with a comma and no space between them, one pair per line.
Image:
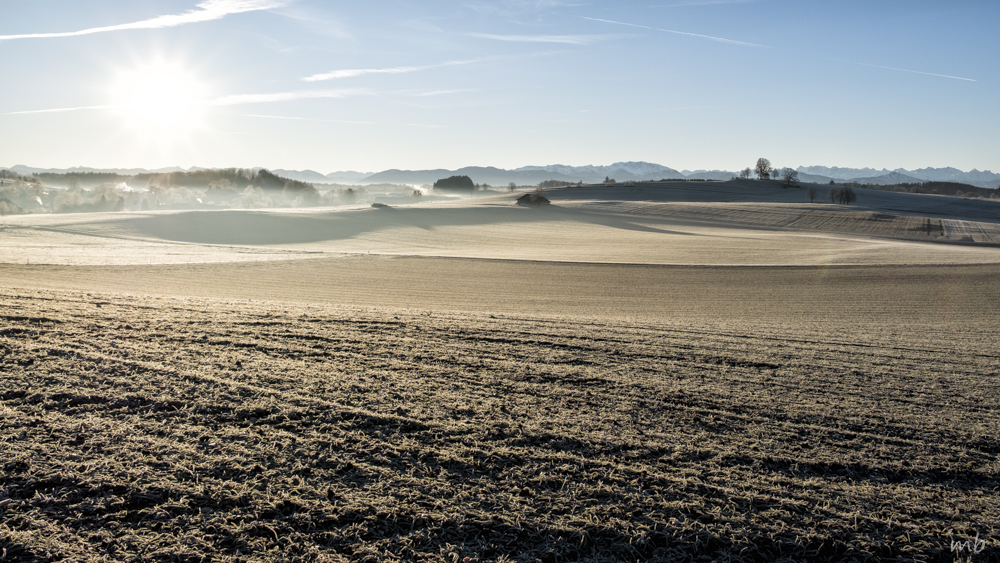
58,110
240,99
711,37
283,117
205,11
567,39
905,70
231,100
274,97
351,73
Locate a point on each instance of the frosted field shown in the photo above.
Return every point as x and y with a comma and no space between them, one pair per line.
735,223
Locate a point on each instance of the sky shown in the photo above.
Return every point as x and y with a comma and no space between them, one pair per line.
374,85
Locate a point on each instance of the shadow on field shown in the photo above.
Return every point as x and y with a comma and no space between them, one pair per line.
275,227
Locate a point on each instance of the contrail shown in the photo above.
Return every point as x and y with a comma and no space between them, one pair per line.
905,70
713,38
206,11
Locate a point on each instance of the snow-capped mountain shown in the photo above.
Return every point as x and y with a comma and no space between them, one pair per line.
975,177
621,171
982,179
847,174
709,174
888,179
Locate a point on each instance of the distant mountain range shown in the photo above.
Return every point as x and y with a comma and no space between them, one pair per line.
620,171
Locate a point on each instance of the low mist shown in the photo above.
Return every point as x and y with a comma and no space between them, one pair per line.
205,189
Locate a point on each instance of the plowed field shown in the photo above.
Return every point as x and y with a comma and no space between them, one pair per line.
166,429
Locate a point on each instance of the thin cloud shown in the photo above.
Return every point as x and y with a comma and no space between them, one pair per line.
567,39
711,37
282,117
905,70
274,97
58,110
205,11
240,99
232,100
351,73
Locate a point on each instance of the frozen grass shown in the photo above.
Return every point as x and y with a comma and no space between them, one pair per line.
729,223
173,429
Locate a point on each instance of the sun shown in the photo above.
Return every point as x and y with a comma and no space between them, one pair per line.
159,96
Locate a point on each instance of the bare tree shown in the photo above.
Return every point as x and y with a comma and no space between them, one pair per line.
745,173
511,186
763,169
811,194
845,195
849,196
789,177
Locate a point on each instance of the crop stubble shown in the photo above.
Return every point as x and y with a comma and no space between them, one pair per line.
169,428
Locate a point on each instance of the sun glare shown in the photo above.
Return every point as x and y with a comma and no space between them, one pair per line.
160,96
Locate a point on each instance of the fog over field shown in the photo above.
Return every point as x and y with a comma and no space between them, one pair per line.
718,223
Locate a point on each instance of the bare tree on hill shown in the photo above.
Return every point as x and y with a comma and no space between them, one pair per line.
811,194
849,196
845,195
763,169
789,177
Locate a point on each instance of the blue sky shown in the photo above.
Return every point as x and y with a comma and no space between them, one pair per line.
307,84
